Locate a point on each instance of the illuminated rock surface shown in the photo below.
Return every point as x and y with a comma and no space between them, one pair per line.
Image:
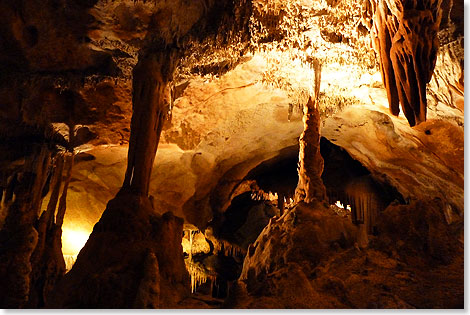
74,72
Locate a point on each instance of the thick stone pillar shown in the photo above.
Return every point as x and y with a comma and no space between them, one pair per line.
151,105
134,257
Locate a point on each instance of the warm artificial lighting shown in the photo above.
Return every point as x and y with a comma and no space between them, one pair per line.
73,241
340,205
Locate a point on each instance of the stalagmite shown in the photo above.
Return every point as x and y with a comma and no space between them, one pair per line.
310,185
130,233
405,38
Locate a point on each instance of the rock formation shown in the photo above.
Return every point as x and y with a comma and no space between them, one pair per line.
47,259
133,259
405,38
310,185
305,259
151,105
19,236
233,209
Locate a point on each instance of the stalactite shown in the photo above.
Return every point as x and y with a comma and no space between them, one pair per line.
63,198
365,206
405,38
198,275
190,245
48,262
363,200
56,184
47,259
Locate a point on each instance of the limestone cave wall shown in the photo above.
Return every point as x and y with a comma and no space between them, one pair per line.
137,123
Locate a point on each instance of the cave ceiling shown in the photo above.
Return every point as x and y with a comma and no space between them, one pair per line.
244,72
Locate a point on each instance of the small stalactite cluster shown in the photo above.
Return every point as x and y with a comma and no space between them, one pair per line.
47,259
362,198
197,272
31,260
227,249
199,275
279,200
404,34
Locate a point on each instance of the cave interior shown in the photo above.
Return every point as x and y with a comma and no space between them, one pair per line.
232,154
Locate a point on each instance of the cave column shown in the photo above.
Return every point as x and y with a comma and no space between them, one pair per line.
151,105
310,168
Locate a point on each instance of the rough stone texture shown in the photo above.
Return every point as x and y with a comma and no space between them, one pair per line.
69,64
302,261
19,236
310,185
133,258
406,41
447,83
421,162
419,232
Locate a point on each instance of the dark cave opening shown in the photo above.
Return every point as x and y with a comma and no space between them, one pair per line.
347,181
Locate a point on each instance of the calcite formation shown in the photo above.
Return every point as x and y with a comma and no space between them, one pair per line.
405,38
133,258
310,185
151,105
18,237
90,89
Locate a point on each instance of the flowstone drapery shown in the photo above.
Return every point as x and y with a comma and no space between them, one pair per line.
405,38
